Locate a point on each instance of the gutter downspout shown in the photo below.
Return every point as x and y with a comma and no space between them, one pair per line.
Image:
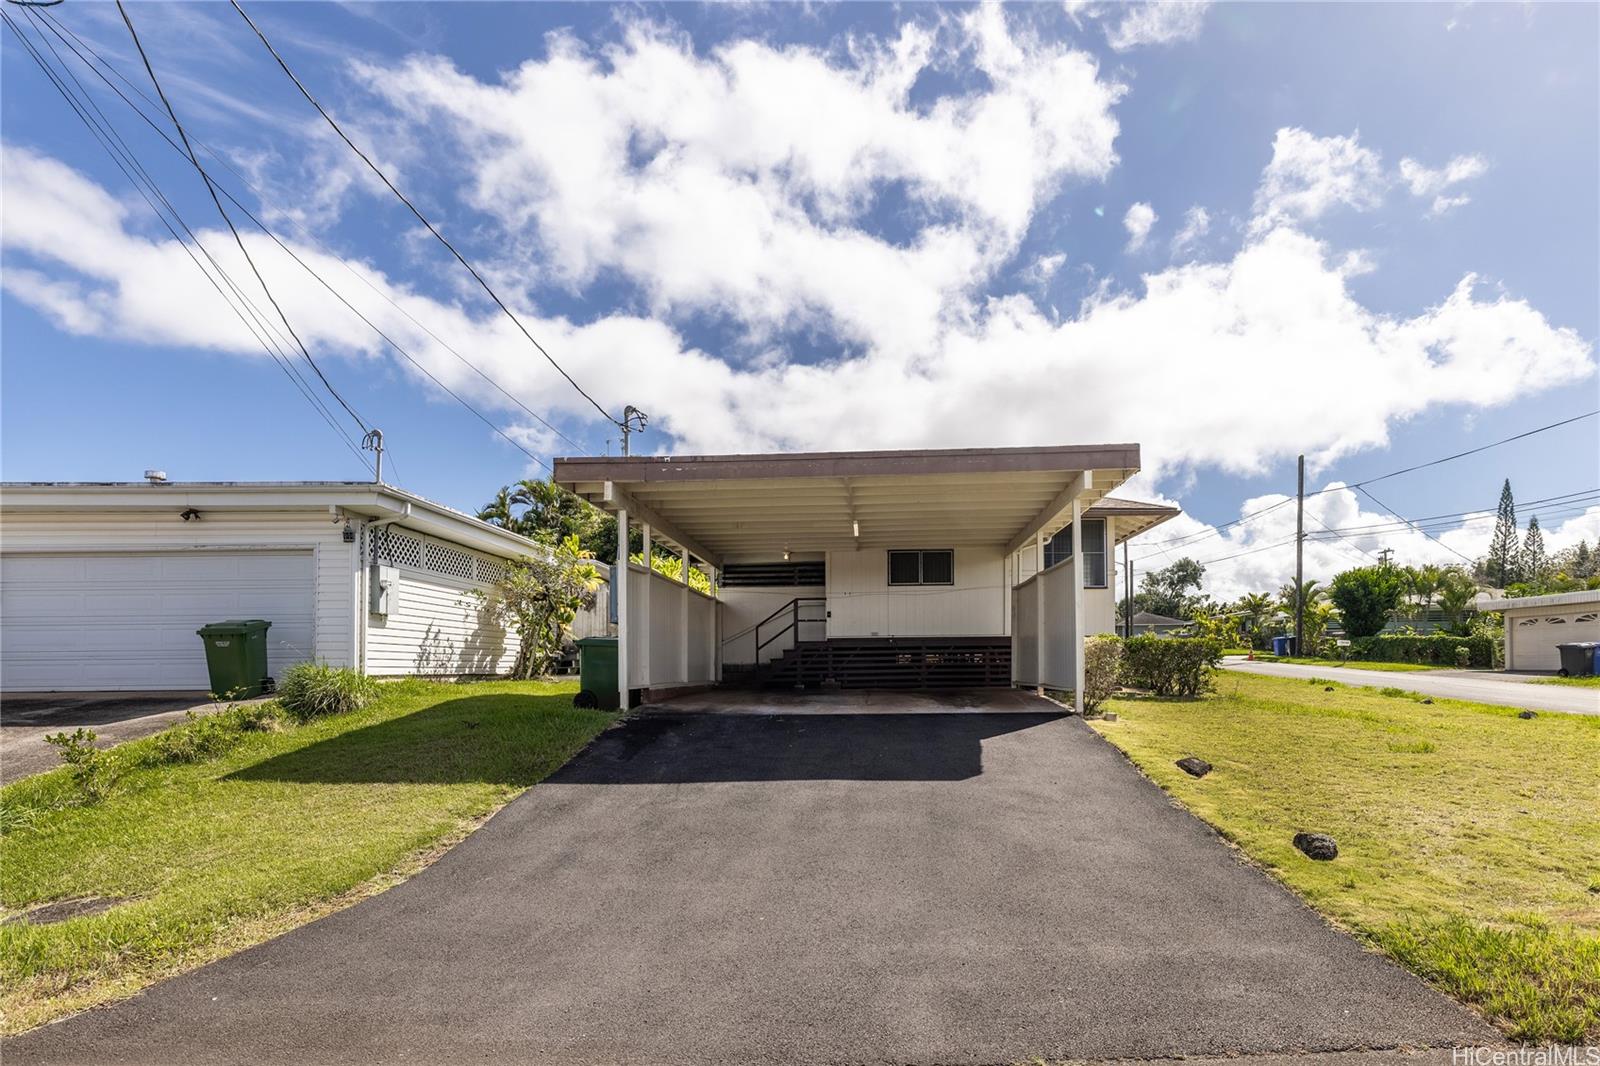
364,577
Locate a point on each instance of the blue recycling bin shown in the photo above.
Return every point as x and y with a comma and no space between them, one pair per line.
1283,645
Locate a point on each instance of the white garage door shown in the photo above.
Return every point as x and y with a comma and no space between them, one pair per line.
1534,636
104,620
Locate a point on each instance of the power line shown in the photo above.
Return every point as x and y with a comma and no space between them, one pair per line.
1569,498
1366,492
215,199
57,29
1194,538
258,329
420,216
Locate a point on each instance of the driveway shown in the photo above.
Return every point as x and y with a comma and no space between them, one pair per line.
1482,686
824,886
26,717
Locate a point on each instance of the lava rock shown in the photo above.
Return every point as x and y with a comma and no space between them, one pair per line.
1319,846
1429,702
1327,688
1528,714
1194,767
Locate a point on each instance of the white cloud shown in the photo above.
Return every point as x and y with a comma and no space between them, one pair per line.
1196,224
1137,222
1309,176
1042,270
736,182
1425,182
1158,22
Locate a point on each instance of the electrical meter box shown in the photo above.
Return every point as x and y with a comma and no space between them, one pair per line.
383,590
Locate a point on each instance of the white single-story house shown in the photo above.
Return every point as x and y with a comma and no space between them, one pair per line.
1147,623
1535,625
102,586
926,569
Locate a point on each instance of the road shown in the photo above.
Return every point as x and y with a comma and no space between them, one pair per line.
1481,686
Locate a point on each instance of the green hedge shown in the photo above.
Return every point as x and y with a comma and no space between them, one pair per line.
1170,666
1438,649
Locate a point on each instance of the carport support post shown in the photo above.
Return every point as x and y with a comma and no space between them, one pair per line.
1040,627
683,625
647,609
1077,606
619,588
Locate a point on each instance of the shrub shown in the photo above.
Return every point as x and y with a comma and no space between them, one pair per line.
1102,663
1463,657
1170,666
1365,596
1437,649
197,738
310,690
94,772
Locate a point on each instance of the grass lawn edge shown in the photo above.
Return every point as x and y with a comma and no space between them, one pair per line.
247,933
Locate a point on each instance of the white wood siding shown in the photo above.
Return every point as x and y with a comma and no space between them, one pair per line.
333,636
1061,641
861,602
436,625
743,608
655,625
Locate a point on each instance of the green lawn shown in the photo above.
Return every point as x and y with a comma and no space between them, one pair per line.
1353,664
217,855
1591,681
1468,837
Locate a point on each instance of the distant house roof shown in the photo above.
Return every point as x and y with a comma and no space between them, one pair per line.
1145,618
1555,599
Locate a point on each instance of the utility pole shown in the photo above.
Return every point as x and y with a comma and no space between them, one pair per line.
1384,555
373,442
1299,560
630,415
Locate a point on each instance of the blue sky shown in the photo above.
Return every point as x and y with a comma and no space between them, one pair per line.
854,226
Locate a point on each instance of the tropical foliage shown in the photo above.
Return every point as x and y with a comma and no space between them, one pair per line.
1365,596
539,597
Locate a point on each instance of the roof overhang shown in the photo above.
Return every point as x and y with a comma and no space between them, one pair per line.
1554,599
359,499
758,506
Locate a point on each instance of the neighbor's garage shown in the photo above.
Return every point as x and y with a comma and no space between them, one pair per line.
1536,625
106,620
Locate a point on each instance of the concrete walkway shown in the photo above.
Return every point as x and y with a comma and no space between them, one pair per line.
730,888
1481,686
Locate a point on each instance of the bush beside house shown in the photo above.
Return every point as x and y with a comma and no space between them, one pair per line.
1170,666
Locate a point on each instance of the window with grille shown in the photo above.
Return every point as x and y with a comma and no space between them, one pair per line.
1058,549
926,567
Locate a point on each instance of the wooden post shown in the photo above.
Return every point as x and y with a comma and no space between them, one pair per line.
1077,605
683,659
647,588
619,589
1040,627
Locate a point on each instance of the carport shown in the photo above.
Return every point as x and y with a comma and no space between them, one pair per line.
901,569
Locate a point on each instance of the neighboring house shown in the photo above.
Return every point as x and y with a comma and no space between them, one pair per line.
1145,624
102,586
903,568
1535,625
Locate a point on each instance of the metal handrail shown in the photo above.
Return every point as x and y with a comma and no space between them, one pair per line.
792,610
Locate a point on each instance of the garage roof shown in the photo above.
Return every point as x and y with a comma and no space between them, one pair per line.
756,506
1554,599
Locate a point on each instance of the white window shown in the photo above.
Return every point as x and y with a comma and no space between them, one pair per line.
1058,549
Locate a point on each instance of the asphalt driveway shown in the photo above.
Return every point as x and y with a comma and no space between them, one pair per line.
835,886
1481,686
26,718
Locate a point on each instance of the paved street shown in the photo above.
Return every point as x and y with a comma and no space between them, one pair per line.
1483,686
819,886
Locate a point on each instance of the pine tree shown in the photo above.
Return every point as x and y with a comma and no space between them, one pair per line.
1582,561
1533,562
1503,549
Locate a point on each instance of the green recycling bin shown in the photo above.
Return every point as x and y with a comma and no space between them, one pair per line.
236,655
597,672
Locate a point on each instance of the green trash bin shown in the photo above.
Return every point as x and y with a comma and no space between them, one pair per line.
597,672
236,655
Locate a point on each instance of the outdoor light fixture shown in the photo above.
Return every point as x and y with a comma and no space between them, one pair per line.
349,533
785,554
855,528
191,515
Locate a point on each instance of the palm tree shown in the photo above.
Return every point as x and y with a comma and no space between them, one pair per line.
1254,609
1457,591
1311,591
1423,584
497,512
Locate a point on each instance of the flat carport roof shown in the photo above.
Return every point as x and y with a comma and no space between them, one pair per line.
755,506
